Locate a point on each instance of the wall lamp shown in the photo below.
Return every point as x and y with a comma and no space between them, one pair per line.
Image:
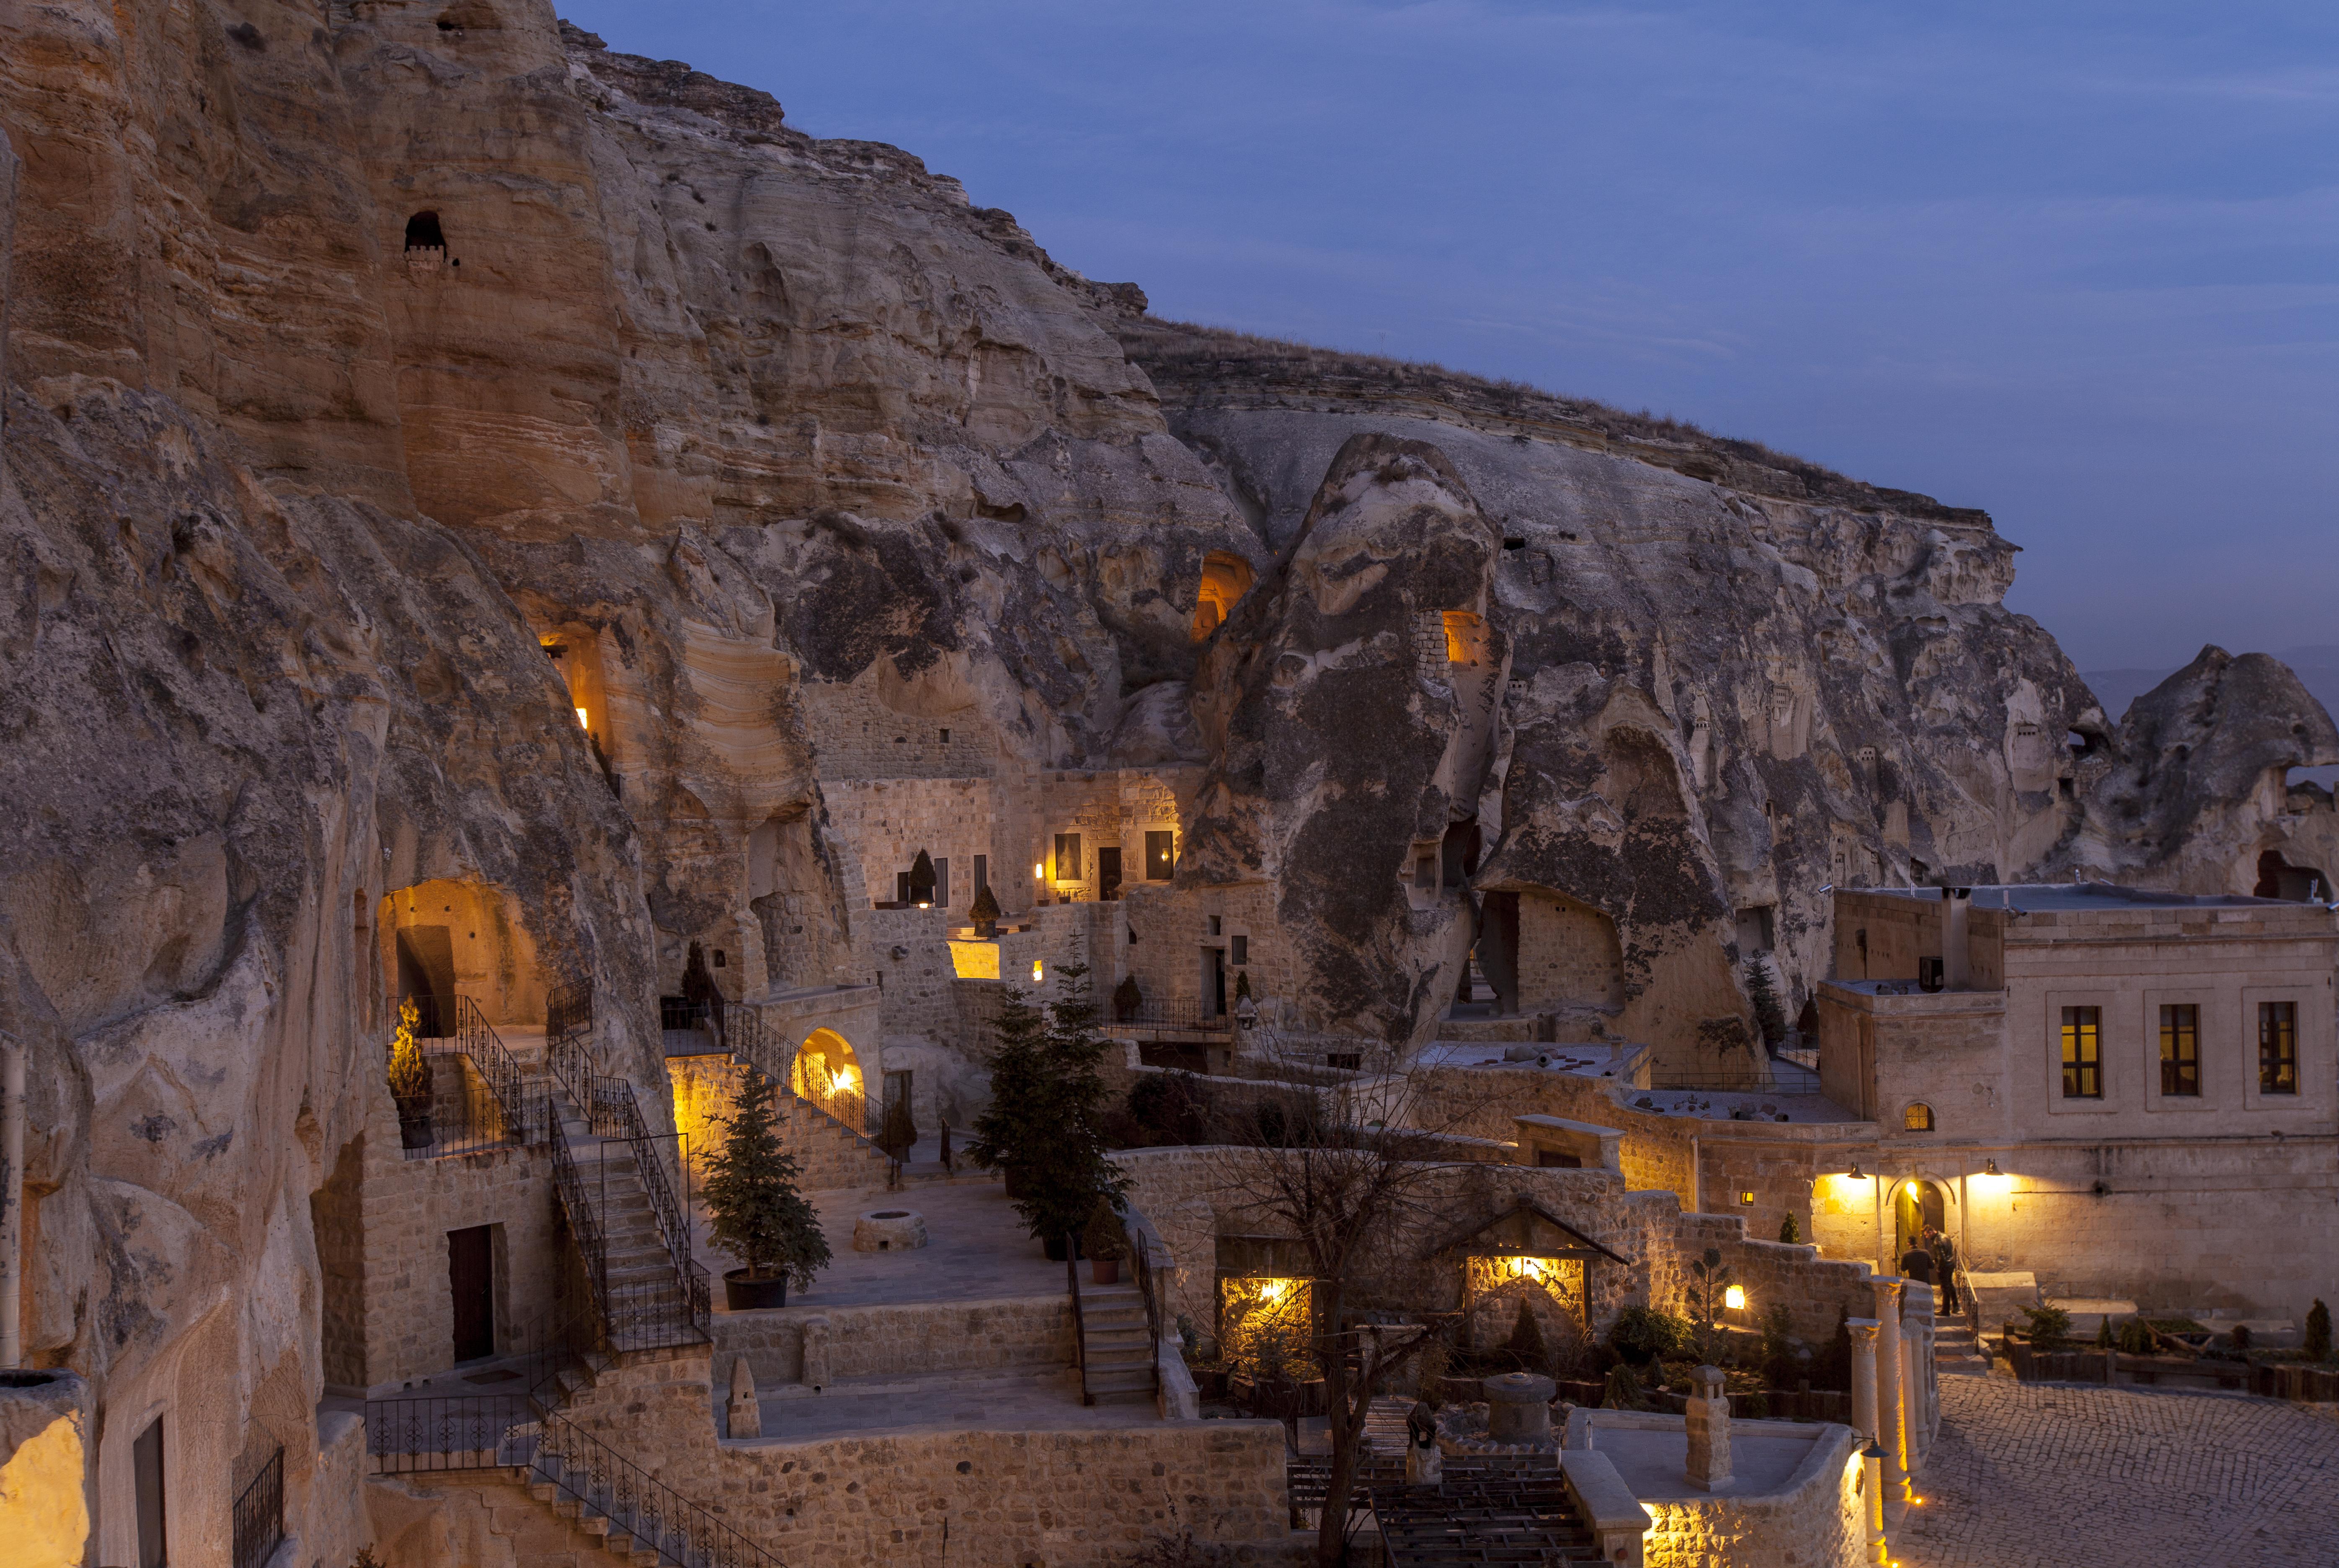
1990,1168
1854,1172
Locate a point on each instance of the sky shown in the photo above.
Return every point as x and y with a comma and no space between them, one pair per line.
2074,263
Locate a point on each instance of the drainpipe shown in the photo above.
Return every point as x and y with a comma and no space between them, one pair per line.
1696,1187
12,1201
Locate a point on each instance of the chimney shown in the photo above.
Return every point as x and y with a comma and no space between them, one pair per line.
1708,1410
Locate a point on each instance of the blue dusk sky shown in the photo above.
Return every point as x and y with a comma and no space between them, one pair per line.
2074,263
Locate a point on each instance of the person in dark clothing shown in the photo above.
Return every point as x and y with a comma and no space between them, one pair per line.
1917,1265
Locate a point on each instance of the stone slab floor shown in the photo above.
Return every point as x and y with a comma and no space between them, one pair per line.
976,1249
2045,1476
1038,1401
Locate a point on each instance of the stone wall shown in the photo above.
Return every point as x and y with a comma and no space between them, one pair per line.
1813,1521
1567,954
1010,1497
388,1309
817,1346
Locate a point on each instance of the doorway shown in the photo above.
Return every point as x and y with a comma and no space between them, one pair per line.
1916,1204
1108,874
426,972
1214,982
471,1280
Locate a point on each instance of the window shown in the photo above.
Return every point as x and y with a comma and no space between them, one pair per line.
945,737
423,233
2277,1048
901,887
1068,857
1161,855
1352,1060
1461,637
1215,922
942,882
1242,945
1746,1198
2083,1053
1918,1117
982,871
1425,871
146,1465
2180,1050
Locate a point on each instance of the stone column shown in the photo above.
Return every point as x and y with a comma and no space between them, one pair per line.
744,1414
1871,1500
1863,1375
1708,1411
1890,1404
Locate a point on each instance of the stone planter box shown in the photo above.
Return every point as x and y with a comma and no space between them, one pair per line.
742,1294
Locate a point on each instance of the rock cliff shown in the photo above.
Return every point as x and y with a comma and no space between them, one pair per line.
440,449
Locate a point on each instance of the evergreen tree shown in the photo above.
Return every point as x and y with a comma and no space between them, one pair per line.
410,1076
1525,1344
985,910
759,1215
1015,1121
921,879
1764,994
2318,1331
1043,1124
1790,1231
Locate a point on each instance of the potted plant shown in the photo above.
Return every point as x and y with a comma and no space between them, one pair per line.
1106,1244
759,1215
984,912
409,1079
1127,998
922,880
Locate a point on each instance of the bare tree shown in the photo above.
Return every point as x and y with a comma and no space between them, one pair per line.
1348,1165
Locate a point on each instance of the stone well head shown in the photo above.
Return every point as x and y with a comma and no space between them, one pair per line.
1518,1406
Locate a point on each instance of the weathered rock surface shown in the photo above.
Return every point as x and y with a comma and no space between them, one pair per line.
357,360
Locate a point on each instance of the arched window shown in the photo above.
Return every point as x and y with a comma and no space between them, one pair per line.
422,232
1918,1118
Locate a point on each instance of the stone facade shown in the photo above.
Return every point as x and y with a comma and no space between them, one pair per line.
817,1346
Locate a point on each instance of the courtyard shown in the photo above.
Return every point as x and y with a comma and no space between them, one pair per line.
2041,1476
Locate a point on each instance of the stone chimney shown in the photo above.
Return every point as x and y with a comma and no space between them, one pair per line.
744,1415
1709,1430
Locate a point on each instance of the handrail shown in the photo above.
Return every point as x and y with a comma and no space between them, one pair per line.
636,1503
582,1218
741,1035
1080,1328
567,1029
257,1514
1181,1013
475,1037
617,1109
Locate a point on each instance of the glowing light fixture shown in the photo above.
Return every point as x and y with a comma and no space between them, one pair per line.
1990,1168
1854,1171
1734,1297
1038,972
582,722
1040,871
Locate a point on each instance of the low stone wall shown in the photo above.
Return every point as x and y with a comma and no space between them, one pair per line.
820,1344
1006,1497
1812,1520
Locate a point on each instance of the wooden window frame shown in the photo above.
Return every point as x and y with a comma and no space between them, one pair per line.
2278,1049
2180,1051
2083,1069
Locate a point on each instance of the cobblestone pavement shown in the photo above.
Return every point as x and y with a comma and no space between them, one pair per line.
2035,1476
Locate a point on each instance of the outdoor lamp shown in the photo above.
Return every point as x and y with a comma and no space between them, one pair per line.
582,722
1734,1297
1040,871
1854,1172
1990,1168
1037,972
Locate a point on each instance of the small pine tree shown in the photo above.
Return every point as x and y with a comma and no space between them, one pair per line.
1789,1230
1764,994
1429,1369
1105,1241
409,1075
921,879
985,909
1016,1119
759,1216
1047,1106
2318,1331
1242,985
1624,1390
2104,1338
1127,998
2240,1337
1525,1344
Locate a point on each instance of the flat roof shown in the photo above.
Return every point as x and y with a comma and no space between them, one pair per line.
2083,895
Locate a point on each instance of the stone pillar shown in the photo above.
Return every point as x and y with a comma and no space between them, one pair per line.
1708,1411
815,1352
1871,1500
1518,1407
1863,1375
744,1414
1891,1410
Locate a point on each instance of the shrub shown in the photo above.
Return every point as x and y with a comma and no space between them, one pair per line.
1242,985
2136,1338
985,910
1643,1334
2105,1340
2318,1331
1429,1369
1624,1390
1778,1346
2240,1337
2050,1328
1764,994
921,879
1753,1406
1105,1239
1126,996
897,1132
410,1076
1790,1231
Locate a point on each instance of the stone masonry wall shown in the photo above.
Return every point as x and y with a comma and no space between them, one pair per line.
1814,1523
817,1346
1010,1498
1567,952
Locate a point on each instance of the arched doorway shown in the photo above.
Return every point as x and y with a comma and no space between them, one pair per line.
827,1072
1916,1204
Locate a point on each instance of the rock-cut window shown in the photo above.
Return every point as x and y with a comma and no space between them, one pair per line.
422,232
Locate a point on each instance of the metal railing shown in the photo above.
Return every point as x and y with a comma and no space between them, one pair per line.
1172,1012
259,1513
1719,1083
583,1219
645,1315
567,1031
637,1503
674,1225
1080,1328
476,1038
461,1432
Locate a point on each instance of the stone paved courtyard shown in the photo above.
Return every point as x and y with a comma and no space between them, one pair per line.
2072,1477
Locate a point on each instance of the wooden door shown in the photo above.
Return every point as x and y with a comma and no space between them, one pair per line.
471,1279
1108,874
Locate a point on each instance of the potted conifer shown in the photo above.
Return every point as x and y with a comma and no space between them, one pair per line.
410,1078
984,912
759,1215
922,880
1105,1243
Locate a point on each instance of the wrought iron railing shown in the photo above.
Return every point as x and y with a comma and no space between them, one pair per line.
639,1314
1080,1328
637,1503
259,1513
1172,1012
475,1037
613,1099
464,1432
568,1036
583,1218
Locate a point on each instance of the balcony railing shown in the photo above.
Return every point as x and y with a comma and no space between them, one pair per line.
259,1513
1174,1014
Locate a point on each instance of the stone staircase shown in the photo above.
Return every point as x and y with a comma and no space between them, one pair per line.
832,1156
1116,1354
1956,1351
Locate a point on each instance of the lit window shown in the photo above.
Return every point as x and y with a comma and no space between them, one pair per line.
1461,637
582,722
2180,1051
2277,1048
1918,1118
1160,854
1746,1198
2083,1053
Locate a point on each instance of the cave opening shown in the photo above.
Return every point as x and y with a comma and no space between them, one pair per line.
1225,579
423,233
2277,878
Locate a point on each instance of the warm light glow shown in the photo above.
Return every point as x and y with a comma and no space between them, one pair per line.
1561,1279
1734,1297
975,960
1040,871
1260,1314
1039,974
582,722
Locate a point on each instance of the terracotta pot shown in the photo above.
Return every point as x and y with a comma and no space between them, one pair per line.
1105,1271
414,1123
742,1294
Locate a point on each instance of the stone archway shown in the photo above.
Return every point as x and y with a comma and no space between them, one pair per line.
828,1072
1917,1202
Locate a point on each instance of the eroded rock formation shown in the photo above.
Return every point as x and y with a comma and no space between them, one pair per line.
440,449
